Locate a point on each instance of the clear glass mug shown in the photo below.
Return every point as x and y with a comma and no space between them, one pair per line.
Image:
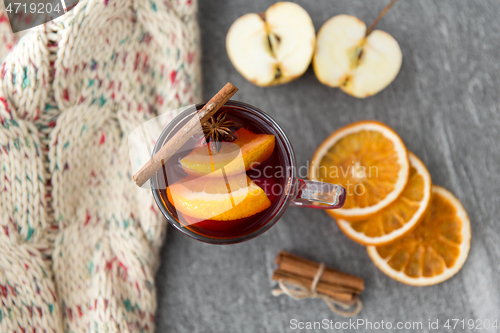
177,186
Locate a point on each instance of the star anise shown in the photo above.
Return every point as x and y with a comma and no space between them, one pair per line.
218,130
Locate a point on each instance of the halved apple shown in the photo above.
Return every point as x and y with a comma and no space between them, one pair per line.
360,64
274,47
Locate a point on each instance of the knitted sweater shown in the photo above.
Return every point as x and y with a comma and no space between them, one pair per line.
79,241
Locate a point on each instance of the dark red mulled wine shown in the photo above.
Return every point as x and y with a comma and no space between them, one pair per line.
239,184
272,176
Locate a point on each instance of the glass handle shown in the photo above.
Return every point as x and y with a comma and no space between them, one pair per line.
320,195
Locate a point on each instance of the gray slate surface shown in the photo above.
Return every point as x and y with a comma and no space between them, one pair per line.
445,105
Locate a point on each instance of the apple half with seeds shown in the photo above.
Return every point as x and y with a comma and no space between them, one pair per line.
274,47
360,62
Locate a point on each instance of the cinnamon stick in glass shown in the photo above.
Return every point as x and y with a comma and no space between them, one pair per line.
183,135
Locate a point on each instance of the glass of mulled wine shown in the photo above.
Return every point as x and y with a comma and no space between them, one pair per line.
235,178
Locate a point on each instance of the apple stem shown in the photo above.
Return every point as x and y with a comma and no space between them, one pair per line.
370,29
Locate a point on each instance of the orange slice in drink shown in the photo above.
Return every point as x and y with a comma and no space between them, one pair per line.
398,218
235,157
434,251
370,161
218,198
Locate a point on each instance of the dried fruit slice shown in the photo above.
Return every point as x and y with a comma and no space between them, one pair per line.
434,251
236,157
221,198
398,218
369,160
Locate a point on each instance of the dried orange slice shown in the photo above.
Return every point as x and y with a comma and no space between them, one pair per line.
236,157
369,160
221,198
398,218
434,251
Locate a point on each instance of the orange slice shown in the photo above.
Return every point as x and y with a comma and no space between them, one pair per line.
398,218
221,198
434,251
369,160
236,157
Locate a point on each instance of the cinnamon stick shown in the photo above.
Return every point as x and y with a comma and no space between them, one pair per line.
339,293
183,135
308,269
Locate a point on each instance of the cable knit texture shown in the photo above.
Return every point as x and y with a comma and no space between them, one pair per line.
78,240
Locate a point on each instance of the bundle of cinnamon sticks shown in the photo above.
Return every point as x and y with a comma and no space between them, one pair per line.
340,286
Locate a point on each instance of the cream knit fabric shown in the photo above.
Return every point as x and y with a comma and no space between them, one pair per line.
78,240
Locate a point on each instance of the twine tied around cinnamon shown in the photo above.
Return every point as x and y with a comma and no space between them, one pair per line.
297,290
